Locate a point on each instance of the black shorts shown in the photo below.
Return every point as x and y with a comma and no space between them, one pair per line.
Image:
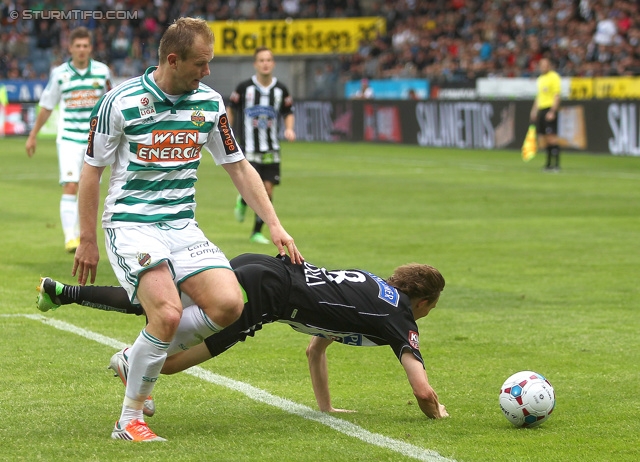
544,126
266,284
268,172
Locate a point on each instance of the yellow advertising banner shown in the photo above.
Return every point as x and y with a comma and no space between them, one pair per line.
616,87
581,88
294,37
605,88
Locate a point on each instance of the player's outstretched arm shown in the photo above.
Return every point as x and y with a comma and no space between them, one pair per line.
317,357
250,186
426,396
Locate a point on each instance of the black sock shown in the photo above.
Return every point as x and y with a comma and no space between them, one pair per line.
555,155
549,155
100,297
257,227
68,295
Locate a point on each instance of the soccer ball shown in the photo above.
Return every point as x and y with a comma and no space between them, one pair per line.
527,399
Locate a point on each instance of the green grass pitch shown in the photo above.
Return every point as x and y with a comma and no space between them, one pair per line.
542,274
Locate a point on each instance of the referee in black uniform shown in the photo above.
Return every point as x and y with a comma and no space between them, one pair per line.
256,107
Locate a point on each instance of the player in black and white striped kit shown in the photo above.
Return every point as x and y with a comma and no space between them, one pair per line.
349,306
256,107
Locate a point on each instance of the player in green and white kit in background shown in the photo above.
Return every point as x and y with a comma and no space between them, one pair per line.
150,130
75,87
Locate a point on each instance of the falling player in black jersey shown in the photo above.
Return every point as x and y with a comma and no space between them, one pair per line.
353,307
256,107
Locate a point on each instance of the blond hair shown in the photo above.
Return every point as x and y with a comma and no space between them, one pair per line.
180,36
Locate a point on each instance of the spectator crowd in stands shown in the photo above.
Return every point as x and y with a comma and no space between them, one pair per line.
440,40
461,40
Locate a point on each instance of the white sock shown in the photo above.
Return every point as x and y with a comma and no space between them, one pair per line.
69,216
194,327
146,357
128,414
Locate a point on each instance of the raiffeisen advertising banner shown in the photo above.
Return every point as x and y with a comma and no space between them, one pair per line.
294,37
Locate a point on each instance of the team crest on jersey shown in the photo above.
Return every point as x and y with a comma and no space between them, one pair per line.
197,118
144,259
146,107
414,340
96,84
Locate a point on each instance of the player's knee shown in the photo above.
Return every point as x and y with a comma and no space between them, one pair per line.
172,319
70,188
165,314
232,312
226,312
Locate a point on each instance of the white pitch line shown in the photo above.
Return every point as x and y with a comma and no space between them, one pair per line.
262,396
306,412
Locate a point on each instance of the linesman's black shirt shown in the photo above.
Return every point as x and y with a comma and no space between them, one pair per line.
353,307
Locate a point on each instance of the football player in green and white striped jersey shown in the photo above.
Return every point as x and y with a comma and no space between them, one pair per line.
75,87
151,130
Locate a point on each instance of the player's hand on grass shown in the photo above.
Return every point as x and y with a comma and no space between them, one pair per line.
443,412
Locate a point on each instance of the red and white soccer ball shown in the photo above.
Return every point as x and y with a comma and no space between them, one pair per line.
527,399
